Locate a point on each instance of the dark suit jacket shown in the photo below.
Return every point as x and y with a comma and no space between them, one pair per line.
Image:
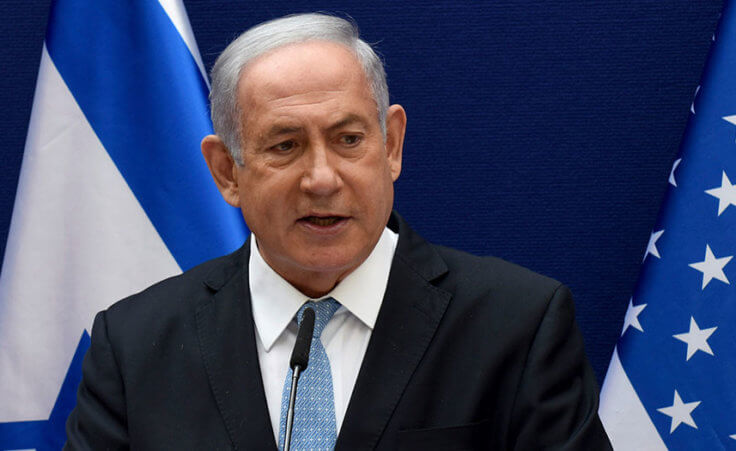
466,353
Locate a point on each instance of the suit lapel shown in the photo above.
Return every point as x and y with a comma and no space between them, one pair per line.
227,342
410,313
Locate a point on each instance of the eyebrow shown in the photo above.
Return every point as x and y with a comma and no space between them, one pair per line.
280,130
347,120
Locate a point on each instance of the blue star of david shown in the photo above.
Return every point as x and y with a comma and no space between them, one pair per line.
49,434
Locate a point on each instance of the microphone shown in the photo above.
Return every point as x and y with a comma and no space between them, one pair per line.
300,354
299,361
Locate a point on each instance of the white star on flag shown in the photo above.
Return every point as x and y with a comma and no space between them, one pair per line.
733,436
632,316
712,267
726,194
672,172
652,246
696,339
680,412
731,119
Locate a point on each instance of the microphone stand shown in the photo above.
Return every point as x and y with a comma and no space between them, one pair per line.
290,413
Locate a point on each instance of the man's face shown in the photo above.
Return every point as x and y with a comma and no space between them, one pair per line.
316,184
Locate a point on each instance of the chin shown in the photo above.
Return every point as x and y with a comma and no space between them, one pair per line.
332,263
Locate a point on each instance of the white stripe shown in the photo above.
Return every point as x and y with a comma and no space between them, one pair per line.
79,240
178,15
623,415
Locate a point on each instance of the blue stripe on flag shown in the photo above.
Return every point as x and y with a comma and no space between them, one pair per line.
143,94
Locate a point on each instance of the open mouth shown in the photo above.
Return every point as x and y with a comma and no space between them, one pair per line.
323,221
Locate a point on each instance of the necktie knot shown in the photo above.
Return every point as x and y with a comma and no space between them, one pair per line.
323,312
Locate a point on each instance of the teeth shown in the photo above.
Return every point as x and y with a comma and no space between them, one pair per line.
323,221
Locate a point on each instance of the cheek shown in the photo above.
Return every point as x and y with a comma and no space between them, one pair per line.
268,195
378,194
253,200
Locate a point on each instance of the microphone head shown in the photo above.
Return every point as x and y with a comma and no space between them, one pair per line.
300,355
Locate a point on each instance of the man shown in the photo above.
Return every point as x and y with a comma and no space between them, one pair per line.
428,348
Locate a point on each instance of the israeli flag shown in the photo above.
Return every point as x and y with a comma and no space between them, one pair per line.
113,196
671,383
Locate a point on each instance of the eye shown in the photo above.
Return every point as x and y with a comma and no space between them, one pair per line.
284,146
350,140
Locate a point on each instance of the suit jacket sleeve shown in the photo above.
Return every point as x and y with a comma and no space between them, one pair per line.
557,401
99,419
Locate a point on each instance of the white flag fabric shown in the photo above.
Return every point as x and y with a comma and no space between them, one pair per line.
113,196
672,380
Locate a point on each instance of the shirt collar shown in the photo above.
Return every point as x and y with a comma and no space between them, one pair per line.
275,301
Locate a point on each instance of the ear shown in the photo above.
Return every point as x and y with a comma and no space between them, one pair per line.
395,130
222,167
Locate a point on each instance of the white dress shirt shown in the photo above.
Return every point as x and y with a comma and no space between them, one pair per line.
345,338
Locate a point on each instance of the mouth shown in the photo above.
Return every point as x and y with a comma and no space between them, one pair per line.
323,221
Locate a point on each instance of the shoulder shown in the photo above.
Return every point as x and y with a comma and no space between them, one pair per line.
492,275
176,296
478,286
492,296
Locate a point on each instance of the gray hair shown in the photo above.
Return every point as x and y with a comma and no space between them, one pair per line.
226,112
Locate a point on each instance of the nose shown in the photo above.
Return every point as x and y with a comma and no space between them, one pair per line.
320,177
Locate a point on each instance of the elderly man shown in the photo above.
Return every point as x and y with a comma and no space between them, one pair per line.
415,346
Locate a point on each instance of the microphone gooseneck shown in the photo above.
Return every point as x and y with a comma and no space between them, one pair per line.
298,363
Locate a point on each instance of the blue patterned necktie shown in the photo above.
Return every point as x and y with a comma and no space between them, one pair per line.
314,411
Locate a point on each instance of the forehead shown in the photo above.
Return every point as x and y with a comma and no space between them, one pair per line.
300,73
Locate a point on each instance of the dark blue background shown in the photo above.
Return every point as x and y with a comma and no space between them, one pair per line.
540,132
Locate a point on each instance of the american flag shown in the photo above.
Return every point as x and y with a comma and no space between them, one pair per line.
672,380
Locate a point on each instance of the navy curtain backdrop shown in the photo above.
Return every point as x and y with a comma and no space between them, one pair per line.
542,132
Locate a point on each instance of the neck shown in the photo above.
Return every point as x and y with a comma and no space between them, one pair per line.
317,286
313,284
